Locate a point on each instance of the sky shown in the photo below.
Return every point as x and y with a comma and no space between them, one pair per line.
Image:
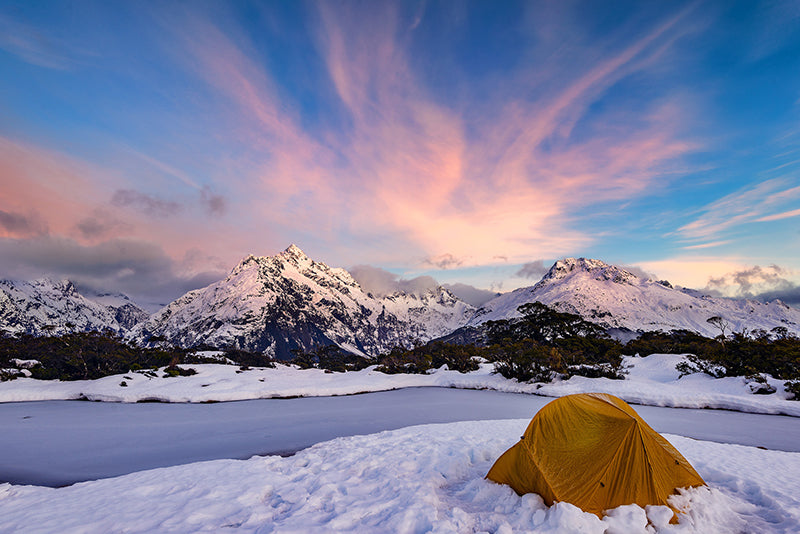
147,147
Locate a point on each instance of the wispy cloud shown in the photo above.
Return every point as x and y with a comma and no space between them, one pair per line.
449,184
33,45
706,245
511,188
778,216
752,204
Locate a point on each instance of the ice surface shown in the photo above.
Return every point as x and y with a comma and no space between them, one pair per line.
58,442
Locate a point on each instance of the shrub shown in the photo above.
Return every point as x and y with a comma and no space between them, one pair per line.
84,355
597,370
793,387
527,360
457,357
330,358
246,358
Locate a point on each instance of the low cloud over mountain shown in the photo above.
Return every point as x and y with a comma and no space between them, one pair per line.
381,282
141,270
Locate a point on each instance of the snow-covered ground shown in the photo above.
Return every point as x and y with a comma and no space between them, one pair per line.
417,479
652,380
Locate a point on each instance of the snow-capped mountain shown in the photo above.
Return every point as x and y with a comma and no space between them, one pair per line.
287,301
47,307
615,298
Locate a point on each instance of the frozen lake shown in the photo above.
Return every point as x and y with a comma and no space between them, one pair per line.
56,443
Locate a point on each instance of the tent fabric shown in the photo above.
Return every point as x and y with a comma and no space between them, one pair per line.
594,451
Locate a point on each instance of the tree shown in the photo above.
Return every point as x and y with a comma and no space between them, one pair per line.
720,323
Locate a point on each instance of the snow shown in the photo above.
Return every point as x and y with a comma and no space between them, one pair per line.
418,479
651,380
24,364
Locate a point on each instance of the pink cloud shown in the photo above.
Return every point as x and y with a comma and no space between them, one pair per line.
503,194
46,193
47,186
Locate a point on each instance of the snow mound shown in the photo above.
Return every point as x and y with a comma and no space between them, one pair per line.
427,478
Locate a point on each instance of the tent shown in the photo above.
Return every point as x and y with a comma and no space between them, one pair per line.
594,451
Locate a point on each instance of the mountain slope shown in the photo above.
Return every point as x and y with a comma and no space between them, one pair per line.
47,307
288,301
615,298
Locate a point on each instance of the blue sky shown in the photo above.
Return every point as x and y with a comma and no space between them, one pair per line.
148,146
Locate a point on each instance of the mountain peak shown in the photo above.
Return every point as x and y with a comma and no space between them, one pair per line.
244,263
563,267
294,250
294,256
63,285
598,269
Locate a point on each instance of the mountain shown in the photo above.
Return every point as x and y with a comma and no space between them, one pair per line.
288,301
126,312
618,299
47,307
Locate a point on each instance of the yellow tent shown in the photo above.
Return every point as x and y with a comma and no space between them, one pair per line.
594,451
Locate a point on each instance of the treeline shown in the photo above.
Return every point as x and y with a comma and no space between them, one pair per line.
540,345
91,355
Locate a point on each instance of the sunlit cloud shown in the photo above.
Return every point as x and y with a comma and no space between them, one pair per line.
407,170
693,272
753,281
